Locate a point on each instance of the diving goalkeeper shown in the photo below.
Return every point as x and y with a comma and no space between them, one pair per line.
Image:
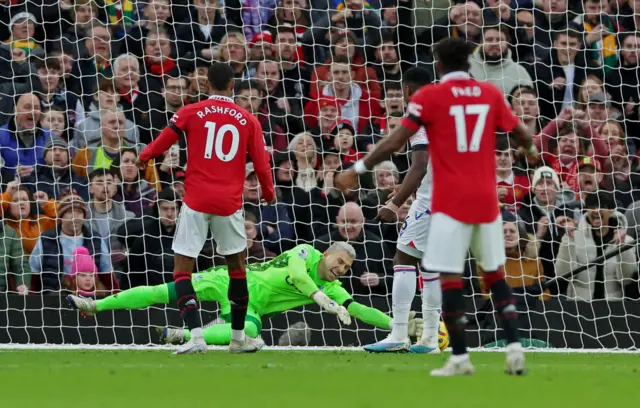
300,276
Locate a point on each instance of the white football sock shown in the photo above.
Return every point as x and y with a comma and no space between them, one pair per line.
237,335
404,290
196,335
431,307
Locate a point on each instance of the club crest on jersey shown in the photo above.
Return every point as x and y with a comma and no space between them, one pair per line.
303,253
414,109
174,118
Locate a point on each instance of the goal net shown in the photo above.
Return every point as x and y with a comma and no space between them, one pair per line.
86,84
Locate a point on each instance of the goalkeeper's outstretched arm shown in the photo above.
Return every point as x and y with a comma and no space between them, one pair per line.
375,317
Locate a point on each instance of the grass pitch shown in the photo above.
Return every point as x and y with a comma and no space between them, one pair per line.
333,379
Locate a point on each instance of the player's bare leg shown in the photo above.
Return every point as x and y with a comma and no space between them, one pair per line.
504,304
188,304
239,298
454,317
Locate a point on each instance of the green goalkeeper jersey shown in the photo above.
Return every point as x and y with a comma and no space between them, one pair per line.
284,283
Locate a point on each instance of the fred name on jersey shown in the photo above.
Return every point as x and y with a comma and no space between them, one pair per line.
471,91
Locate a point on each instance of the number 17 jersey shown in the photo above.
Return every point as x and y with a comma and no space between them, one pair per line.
461,117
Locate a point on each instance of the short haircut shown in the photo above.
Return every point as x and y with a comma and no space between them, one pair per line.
504,143
123,57
571,31
391,86
251,217
390,166
282,29
49,63
343,247
102,172
92,25
220,76
499,27
453,54
340,59
520,90
416,77
388,36
600,199
106,85
248,85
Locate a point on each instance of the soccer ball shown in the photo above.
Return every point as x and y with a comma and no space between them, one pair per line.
443,337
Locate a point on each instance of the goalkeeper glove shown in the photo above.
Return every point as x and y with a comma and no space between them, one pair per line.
332,307
415,326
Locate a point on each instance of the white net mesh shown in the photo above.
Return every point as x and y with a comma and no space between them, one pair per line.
84,85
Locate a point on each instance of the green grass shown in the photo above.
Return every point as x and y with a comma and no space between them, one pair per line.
122,379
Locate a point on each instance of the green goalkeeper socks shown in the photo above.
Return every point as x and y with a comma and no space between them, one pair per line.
220,334
134,298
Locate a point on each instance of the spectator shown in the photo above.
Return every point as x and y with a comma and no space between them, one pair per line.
137,194
150,253
121,14
23,28
344,141
174,94
385,178
198,82
388,68
623,84
255,14
56,177
52,257
260,49
597,109
200,35
464,20
105,215
250,95
369,268
601,29
524,103
54,119
597,234
401,157
233,50
29,214
255,251
548,20
82,279
366,77
88,132
558,76
305,155
21,140
545,217
493,63
358,107
523,269
512,186
275,229
14,271
591,85
295,13
137,97
329,113
155,14
157,58
94,62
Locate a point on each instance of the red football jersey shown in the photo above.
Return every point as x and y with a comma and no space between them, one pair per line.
461,117
219,134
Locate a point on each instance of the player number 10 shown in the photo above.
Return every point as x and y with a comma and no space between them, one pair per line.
216,139
460,113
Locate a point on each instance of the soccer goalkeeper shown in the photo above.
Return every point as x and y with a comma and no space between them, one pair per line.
300,276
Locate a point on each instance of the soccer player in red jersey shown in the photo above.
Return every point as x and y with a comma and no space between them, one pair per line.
461,117
218,135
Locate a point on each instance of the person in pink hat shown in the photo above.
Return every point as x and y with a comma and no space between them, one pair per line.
82,281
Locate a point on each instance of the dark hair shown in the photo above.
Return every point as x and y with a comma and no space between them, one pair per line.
416,77
174,75
452,54
282,29
117,163
49,63
220,76
389,85
34,209
572,31
504,143
101,173
248,85
340,59
251,217
523,91
106,85
600,199
499,27
388,36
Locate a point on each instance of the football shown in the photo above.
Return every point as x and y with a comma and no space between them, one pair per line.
443,337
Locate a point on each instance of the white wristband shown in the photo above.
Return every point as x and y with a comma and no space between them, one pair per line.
360,168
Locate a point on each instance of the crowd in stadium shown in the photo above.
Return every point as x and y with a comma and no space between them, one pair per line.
85,84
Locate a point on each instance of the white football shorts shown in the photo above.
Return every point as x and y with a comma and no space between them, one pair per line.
412,239
193,228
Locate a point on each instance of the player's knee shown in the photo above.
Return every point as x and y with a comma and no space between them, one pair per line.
235,262
490,278
401,258
250,329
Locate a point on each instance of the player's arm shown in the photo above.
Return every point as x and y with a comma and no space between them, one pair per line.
260,158
417,171
165,139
